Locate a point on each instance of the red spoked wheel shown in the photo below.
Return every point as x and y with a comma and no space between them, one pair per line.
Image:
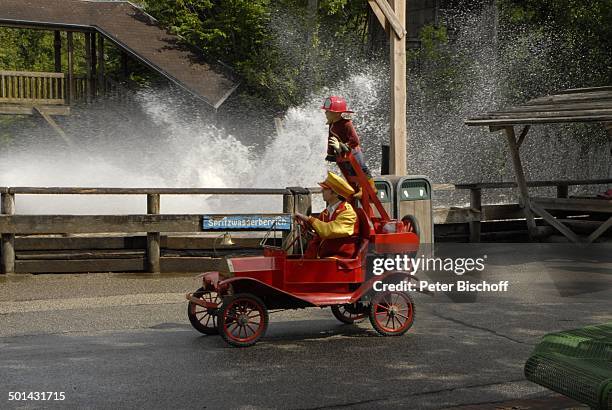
242,320
204,320
392,313
349,313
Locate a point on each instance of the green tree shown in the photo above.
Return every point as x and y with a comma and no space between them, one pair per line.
582,29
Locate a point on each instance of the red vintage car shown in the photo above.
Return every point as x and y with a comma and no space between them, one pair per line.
236,306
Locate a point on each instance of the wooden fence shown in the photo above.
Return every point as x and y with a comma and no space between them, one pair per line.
32,87
152,224
478,213
93,243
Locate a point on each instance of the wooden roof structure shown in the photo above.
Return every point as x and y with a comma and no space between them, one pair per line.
573,105
133,31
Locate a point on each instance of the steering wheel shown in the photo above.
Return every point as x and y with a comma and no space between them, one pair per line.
304,234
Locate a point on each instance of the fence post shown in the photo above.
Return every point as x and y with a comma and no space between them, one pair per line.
476,205
562,191
153,238
8,240
298,200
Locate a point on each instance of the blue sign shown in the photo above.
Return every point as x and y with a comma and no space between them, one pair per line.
280,222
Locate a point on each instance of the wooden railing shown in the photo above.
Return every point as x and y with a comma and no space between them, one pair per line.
18,87
477,212
153,223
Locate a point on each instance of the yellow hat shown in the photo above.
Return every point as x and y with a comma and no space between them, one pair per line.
338,185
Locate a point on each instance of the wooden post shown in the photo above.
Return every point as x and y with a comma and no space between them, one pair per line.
153,238
8,240
70,82
57,46
94,64
562,191
101,84
521,181
124,66
88,58
288,208
398,93
299,200
475,204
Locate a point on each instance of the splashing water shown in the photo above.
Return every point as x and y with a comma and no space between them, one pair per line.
159,140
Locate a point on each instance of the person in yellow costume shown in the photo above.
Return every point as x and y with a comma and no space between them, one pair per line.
337,227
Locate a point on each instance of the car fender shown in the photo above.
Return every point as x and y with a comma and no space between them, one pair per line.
210,280
262,290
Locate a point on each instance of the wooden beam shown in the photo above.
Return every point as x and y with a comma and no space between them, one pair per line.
7,207
70,81
57,48
27,109
454,215
575,204
79,266
562,191
146,191
53,224
153,238
397,163
476,205
555,223
378,13
394,11
599,231
42,112
101,69
521,181
94,63
523,135
89,63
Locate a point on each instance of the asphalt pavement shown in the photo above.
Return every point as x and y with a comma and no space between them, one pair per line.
124,341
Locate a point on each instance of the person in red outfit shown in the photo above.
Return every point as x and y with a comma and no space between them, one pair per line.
337,227
342,135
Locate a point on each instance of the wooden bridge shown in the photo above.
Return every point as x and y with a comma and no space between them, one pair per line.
132,31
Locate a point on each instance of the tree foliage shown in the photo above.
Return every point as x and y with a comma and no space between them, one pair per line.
583,29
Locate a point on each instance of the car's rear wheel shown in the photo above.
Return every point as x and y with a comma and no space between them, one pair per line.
242,320
349,313
203,319
392,313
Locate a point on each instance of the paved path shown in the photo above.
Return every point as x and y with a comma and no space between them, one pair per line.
123,340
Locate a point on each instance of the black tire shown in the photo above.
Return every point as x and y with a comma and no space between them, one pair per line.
347,314
381,316
202,319
234,319
411,219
